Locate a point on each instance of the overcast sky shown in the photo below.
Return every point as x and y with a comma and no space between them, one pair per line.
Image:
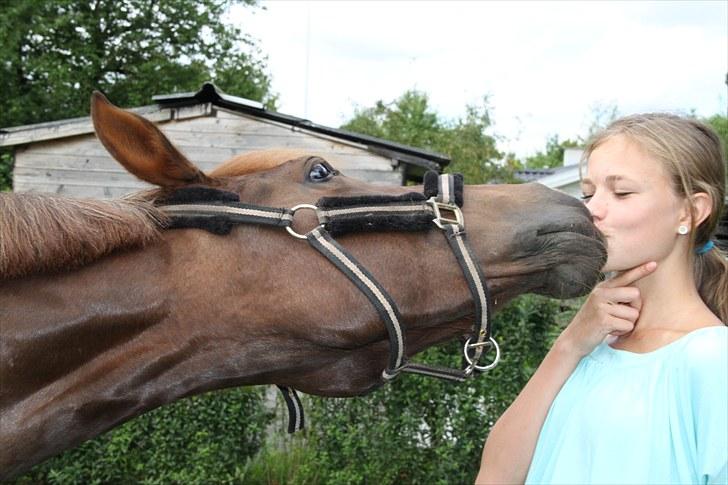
545,66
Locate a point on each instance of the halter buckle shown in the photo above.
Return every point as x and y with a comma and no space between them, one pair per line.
440,220
472,363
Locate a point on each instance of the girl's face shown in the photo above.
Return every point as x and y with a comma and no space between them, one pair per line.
632,202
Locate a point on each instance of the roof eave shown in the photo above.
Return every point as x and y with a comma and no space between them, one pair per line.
210,93
560,179
52,130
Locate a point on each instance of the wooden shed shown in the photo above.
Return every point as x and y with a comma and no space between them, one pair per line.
209,127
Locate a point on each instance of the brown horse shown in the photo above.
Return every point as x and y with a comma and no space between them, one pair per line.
104,315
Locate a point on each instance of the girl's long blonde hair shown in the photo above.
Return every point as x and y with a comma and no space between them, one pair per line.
692,154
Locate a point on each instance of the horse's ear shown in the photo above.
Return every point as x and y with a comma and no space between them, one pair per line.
140,147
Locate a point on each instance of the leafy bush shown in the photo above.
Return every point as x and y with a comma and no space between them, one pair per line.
196,440
281,461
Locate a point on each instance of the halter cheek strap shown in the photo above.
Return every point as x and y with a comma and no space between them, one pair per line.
295,408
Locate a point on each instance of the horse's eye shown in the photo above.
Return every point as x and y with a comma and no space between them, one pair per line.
320,173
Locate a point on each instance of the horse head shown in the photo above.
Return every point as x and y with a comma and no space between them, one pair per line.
527,238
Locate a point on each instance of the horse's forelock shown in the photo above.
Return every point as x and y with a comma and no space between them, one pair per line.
256,161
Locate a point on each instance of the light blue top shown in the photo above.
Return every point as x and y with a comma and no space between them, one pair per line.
654,418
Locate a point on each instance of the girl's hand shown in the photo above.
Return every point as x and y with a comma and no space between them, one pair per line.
612,308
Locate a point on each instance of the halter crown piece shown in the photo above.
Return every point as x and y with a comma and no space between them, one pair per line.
439,207
705,248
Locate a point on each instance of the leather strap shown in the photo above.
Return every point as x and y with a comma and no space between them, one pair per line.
295,409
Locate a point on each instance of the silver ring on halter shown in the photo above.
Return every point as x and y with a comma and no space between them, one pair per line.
293,213
481,368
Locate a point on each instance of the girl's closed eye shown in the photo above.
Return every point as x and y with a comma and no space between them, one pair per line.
620,195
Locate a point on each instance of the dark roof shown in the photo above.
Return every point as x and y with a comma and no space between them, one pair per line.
533,174
209,93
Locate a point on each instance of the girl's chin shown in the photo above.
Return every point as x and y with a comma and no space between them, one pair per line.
613,264
608,266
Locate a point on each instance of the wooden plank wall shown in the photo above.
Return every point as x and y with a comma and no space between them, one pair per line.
80,166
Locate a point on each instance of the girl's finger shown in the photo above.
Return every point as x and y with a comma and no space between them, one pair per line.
625,294
621,326
630,276
624,312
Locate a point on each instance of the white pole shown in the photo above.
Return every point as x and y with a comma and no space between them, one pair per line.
308,52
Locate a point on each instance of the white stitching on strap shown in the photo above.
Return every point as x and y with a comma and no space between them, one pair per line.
293,397
478,283
434,373
354,269
445,188
356,210
196,209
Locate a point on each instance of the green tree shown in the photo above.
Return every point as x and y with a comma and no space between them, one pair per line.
467,141
602,114
56,53
408,120
720,125
553,156
6,170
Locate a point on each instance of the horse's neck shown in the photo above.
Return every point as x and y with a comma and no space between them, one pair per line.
84,351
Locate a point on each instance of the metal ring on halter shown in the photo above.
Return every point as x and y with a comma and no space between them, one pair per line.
490,341
293,213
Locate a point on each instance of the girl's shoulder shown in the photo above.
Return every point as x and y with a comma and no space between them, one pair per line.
701,362
705,349
702,379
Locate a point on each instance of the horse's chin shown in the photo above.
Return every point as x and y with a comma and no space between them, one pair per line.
579,268
568,282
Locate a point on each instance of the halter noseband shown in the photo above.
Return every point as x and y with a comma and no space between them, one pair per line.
217,211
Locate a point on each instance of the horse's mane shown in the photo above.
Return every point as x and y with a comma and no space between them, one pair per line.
47,233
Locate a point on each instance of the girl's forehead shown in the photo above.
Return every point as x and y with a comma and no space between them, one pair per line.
620,157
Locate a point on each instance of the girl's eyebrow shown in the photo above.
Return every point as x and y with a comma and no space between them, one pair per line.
611,179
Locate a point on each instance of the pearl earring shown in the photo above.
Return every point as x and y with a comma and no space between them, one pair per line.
682,230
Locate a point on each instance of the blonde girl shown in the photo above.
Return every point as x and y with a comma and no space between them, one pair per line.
635,389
